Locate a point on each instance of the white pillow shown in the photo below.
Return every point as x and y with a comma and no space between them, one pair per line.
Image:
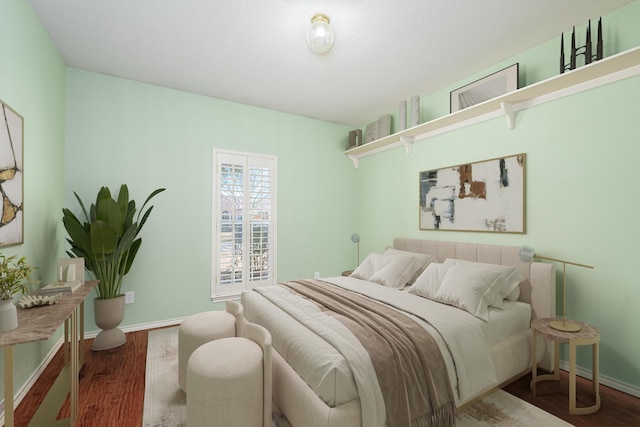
422,261
367,267
470,288
514,295
388,270
394,272
510,288
428,283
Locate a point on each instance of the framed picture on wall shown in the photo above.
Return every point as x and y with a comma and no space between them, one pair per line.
11,177
482,196
486,88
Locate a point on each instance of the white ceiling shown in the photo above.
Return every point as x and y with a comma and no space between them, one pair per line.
254,51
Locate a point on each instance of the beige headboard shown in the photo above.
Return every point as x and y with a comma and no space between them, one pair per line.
539,290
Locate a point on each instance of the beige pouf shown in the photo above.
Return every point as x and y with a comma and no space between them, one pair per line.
197,330
225,384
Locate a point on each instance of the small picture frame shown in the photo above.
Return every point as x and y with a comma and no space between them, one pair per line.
486,88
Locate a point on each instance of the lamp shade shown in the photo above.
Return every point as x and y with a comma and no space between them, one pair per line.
320,34
526,253
355,238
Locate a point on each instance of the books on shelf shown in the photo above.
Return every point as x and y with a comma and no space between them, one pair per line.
61,287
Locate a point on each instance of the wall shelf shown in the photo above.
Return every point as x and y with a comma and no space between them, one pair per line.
608,70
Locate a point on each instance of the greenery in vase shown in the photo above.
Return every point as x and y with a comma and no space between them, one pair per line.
14,276
108,238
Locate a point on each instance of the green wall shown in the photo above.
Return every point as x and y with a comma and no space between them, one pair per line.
581,204
32,82
119,131
84,130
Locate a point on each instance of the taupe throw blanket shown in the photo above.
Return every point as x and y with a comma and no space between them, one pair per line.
409,366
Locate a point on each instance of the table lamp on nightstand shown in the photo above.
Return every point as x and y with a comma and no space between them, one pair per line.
527,254
355,238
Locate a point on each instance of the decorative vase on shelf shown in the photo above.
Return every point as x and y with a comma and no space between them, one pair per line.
108,314
8,315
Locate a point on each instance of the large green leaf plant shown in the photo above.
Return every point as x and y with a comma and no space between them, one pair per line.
108,238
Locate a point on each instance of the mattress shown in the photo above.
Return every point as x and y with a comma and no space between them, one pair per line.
327,372
317,362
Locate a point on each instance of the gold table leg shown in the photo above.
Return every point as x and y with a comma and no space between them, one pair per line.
74,367
555,375
594,342
8,386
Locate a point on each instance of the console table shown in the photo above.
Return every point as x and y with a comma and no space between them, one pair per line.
38,324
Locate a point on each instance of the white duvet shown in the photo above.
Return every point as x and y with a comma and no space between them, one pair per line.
459,335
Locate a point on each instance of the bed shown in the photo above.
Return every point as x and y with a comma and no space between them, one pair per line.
321,377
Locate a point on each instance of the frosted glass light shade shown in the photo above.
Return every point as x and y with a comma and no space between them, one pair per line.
526,253
320,34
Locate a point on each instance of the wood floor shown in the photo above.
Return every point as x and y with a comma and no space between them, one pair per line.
112,392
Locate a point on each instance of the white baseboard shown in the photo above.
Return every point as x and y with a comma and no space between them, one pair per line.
141,326
604,380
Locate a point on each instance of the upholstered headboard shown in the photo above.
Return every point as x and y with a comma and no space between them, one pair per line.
539,289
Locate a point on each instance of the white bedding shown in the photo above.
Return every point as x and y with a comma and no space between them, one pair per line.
464,341
513,318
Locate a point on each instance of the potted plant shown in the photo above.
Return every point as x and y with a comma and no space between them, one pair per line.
14,277
109,242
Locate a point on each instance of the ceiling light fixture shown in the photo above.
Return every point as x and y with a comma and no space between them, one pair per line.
320,34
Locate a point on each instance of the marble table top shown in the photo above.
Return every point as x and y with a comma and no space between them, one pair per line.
39,323
543,329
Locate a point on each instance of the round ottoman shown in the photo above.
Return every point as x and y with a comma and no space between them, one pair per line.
225,384
199,329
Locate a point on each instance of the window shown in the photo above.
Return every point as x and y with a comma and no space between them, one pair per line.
244,222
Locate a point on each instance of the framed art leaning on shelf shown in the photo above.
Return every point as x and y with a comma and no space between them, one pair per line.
486,88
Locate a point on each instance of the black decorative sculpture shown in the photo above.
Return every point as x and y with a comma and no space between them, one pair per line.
585,50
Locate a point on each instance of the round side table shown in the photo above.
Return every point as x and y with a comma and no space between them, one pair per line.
587,335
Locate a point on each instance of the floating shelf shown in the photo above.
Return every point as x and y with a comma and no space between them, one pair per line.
608,70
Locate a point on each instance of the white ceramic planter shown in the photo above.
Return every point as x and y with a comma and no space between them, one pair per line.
8,315
108,315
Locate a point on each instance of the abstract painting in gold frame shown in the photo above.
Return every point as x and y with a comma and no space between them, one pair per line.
481,196
11,177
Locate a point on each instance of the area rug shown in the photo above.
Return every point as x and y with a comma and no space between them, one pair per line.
165,402
501,409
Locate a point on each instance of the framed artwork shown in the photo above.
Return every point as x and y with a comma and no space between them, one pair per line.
492,86
483,196
11,177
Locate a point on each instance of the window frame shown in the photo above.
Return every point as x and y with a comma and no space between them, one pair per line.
243,222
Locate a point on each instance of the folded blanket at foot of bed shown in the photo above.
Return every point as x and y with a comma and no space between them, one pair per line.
409,366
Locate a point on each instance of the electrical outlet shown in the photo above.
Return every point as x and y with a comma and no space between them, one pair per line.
316,275
129,297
